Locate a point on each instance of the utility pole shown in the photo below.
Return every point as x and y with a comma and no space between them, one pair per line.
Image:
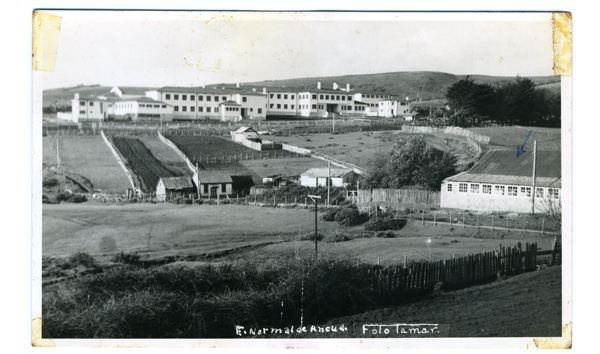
57,156
328,180
314,199
533,181
333,130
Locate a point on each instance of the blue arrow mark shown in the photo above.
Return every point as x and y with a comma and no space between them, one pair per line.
521,150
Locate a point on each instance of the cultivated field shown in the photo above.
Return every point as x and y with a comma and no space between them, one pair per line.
145,166
514,136
166,155
159,230
87,156
201,148
359,148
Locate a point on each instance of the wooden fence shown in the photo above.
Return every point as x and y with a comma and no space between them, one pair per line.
398,196
455,273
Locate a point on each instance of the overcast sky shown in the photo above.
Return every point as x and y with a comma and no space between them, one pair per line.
191,48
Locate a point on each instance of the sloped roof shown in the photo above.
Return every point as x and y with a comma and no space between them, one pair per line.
322,172
205,90
359,102
177,182
504,167
132,90
214,176
230,103
244,129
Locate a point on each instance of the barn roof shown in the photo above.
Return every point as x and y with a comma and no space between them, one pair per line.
322,172
177,182
504,167
214,176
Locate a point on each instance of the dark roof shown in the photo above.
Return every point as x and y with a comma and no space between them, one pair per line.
288,89
504,167
214,176
359,102
205,90
249,92
177,182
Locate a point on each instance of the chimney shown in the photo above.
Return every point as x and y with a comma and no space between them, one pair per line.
254,89
406,98
335,86
77,96
265,90
348,87
319,85
237,84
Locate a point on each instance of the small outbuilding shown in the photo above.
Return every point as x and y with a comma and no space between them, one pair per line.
213,183
338,177
174,186
244,133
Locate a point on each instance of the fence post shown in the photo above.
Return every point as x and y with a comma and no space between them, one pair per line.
544,219
404,260
492,224
450,219
463,219
423,217
434,219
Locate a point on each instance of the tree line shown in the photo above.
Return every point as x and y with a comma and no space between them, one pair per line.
515,102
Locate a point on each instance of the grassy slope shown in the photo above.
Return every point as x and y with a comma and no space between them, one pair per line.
527,305
512,137
89,157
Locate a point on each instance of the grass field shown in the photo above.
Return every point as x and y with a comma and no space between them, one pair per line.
359,148
526,305
199,148
514,136
286,166
87,156
158,230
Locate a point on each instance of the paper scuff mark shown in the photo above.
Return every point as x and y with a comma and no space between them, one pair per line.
36,335
562,36
46,30
563,342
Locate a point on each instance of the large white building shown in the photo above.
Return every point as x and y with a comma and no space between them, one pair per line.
503,181
234,103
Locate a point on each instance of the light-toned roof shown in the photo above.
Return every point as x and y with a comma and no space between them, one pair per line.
177,182
230,103
244,129
322,172
214,176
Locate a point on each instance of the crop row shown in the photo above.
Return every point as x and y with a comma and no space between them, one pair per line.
142,163
201,148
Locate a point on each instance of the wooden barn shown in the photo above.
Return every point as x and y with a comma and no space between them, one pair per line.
213,183
503,181
174,186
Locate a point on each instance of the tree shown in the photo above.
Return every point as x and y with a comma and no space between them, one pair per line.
410,162
471,101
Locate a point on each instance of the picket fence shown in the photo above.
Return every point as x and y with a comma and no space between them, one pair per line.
398,196
484,139
455,273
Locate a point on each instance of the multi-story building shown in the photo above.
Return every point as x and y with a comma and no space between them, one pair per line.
235,103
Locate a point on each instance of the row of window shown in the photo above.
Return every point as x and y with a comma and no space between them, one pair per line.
223,188
151,106
285,96
376,96
232,109
285,106
200,97
210,109
512,191
360,108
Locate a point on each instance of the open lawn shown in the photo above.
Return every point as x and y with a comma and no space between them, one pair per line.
526,305
514,136
158,230
359,148
87,156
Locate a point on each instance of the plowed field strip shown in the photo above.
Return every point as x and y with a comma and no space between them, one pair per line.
141,162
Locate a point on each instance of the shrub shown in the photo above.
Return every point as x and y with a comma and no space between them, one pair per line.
77,198
126,258
77,259
385,224
350,217
337,237
50,182
330,214
311,236
63,196
385,234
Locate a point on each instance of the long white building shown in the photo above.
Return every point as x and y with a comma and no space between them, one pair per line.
233,103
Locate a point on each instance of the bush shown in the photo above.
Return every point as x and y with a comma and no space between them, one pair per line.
350,217
385,224
337,237
77,259
330,214
311,236
385,234
50,182
126,258
70,197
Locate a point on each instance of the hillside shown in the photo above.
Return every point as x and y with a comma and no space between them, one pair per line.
414,84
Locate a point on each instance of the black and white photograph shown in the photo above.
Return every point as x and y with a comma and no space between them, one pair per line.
282,179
